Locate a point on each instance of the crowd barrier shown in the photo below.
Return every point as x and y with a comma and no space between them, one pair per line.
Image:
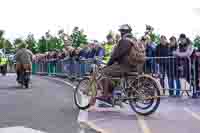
66,68
10,68
174,74
177,75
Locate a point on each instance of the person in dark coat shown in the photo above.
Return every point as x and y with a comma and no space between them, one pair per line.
197,71
100,51
173,71
184,52
84,52
76,53
92,51
162,50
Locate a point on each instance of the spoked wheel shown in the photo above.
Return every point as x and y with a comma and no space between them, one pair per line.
147,95
85,94
21,80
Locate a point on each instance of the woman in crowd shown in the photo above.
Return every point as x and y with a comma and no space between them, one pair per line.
162,51
150,66
76,53
172,69
184,51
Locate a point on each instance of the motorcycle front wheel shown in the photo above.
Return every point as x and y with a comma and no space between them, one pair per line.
85,94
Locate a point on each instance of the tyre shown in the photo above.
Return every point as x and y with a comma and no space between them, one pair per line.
26,79
84,95
26,84
146,87
3,73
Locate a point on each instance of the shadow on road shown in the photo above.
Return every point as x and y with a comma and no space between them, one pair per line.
13,88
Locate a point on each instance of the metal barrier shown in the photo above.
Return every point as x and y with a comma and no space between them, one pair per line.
11,68
175,74
65,68
196,73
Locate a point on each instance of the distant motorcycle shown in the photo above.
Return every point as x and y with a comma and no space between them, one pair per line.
24,77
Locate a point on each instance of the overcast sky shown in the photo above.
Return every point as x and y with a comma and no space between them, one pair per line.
97,17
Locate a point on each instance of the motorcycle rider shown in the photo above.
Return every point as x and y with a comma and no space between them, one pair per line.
24,59
118,63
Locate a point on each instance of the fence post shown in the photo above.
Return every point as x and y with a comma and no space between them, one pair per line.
33,68
49,68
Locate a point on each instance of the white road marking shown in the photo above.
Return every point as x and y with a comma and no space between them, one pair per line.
69,84
143,125
193,114
19,129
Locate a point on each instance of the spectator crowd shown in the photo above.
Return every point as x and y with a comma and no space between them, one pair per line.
170,58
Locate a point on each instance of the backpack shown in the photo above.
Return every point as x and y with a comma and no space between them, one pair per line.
137,53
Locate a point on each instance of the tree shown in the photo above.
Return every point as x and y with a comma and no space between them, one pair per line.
78,37
4,43
150,31
48,34
7,44
1,33
52,43
60,43
155,38
17,41
42,45
61,33
31,42
196,42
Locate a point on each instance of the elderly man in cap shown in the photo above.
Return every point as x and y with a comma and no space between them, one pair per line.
24,59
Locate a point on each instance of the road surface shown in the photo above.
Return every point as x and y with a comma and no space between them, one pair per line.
175,115
47,107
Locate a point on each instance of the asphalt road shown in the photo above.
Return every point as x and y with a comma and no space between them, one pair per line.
174,115
47,106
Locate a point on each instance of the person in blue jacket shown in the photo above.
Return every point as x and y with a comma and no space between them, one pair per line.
100,51
84,52
151,66
92,51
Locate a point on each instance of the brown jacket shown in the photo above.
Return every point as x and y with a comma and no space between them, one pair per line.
24,56
120,53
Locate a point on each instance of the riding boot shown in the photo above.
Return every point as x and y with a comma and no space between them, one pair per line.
18,75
